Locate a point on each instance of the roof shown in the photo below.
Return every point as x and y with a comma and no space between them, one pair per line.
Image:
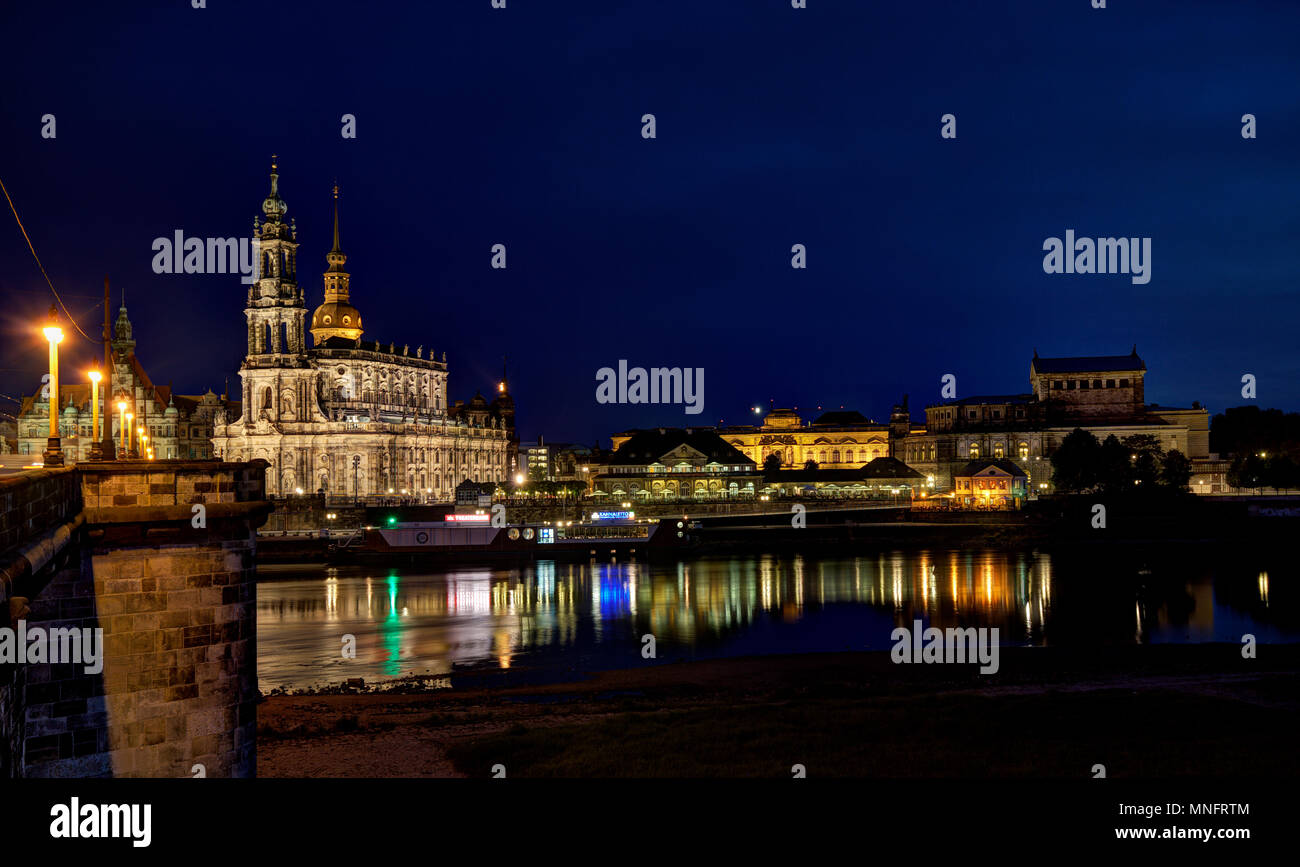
891,468
1009,467
648,446
880,468
986,398
1089,363
841,417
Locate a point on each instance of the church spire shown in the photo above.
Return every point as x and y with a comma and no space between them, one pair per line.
336,219
273,206
336,317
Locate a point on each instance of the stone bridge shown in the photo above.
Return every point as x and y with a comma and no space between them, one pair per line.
159,555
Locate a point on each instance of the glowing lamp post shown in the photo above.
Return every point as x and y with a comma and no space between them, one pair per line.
96,447
54,334
130,436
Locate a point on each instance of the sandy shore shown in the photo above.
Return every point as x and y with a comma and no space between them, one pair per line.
1159,711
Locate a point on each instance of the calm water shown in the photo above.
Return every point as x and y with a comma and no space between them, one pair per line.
565,616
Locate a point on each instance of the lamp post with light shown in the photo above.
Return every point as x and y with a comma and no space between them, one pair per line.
54,334
96,445
130,437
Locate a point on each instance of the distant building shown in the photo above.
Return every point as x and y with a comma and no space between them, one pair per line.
991,482
345,416
667,464
882,478
178,425
840,439
1102,394
558,462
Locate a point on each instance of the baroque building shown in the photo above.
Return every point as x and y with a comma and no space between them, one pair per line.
344,416
1104,395
839,440
179,426
668,464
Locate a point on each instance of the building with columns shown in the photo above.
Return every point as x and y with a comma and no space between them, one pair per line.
347,416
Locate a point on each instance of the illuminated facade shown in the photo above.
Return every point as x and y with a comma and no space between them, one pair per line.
1104,395
669,464
834,440
345,416
178,425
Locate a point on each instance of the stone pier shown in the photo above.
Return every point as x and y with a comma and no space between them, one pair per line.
160,556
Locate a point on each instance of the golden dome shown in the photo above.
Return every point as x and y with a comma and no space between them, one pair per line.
335,319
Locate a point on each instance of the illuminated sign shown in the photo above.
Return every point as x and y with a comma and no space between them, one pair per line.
473,519
547,536
612,516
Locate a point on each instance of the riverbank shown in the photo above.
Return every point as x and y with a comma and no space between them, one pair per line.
1145,711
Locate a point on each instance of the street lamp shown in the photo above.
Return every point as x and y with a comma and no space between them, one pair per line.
96,446
54,334
130,436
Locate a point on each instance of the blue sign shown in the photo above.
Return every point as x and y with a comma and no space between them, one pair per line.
612,516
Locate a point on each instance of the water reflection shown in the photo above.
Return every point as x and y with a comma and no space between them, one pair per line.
593,615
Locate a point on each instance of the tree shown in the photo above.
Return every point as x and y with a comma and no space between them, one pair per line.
1074,464
1146,469
772,464
810,465
1140,444
1176,471
1114,467
1246,471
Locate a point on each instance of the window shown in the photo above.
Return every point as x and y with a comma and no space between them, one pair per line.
1110,383
997,450
1057,385
974,450
1024,451
1096,383
1123,383
1083,383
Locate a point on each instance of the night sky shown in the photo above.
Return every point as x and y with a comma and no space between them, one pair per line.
775,127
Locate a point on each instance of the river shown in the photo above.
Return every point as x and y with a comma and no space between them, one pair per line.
574,617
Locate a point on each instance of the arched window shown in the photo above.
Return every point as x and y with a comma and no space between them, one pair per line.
997,450
266,398
1024,451
974,450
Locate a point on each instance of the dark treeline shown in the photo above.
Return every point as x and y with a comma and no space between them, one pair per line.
1134,465
1262,444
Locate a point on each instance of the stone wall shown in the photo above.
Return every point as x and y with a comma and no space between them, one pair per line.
174,593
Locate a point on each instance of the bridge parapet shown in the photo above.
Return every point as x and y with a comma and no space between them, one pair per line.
160,557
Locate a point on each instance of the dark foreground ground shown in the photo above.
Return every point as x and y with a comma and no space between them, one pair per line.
1142,712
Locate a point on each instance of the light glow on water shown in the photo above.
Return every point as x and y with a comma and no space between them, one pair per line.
409,620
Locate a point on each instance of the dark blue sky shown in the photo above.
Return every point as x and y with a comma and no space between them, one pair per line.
775,126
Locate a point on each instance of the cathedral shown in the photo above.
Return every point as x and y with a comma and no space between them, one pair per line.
349,417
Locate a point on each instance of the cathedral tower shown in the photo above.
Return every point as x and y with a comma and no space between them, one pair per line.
278,380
